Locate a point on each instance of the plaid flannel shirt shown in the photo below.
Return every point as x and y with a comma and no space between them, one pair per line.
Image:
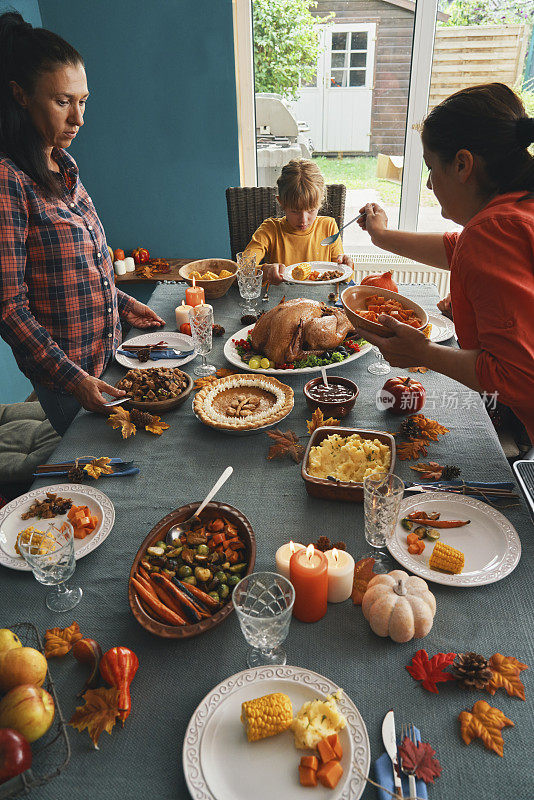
59,308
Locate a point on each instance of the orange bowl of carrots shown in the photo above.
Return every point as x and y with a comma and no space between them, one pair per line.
364,304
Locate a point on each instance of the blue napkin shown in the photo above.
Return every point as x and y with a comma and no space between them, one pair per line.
155,355
338,303
384,776
131,471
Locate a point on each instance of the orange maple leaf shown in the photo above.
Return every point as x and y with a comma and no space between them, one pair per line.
318,421
429,428
506,670
418,369
99,713
156,426
484,722
206,381
286,444
121,419
363,572
413,449
59,641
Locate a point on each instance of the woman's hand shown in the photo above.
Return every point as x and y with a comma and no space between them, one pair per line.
345,259
142,316
273,273
406,348
375,221
89,394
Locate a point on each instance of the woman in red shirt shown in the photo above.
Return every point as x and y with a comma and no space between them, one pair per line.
475,145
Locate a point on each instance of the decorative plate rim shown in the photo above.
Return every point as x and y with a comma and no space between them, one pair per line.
445,323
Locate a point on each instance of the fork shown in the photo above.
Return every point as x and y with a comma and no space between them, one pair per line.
118,466
408,731
265,298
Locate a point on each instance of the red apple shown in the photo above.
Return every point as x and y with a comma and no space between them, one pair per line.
28,709
15,754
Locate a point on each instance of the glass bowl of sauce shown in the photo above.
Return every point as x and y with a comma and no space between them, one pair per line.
336,399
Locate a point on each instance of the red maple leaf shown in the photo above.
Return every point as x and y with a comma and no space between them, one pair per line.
430,671
419,760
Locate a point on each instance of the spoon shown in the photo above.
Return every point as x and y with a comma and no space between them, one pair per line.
175,532
325,379
332,239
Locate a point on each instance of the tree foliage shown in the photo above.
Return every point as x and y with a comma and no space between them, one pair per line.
286,44
488,12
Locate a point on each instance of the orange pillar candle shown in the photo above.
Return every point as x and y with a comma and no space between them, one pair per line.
194,295
308,572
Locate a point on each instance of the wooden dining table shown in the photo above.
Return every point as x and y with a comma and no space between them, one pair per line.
144,759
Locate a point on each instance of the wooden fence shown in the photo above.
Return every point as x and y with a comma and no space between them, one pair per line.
466,55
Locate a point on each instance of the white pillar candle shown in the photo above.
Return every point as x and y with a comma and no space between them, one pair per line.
340,575
283,557
182,314
119,267
130,264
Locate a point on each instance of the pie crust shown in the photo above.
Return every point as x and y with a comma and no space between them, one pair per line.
243,402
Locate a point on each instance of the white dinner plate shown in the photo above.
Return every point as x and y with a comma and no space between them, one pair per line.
231,355
11,524
490,543
442,328
179,341
220,764
319,266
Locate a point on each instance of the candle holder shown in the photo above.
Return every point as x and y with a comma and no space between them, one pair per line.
382,496
201,321
263,602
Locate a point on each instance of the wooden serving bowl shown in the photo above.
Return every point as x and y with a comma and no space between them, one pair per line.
335,489
162,405
212,510
354,300
215,288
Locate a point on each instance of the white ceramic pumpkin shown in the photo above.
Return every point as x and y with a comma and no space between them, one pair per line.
399,605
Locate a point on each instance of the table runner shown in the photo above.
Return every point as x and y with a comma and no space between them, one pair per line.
144,759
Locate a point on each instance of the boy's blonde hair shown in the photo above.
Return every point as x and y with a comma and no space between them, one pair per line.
301,186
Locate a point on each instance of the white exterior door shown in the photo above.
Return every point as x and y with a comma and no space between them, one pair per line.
338,107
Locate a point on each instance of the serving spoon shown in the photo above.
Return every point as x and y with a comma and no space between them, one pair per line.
332,239
174,533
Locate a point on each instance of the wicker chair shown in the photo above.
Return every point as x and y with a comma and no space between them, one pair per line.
248,207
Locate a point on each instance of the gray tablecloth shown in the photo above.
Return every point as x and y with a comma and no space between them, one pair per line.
144,759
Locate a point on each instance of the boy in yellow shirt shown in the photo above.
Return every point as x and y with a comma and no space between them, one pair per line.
297,236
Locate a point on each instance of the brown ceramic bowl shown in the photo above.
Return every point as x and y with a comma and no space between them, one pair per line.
212,510
331,408
157,406
334,489
215,288
354,300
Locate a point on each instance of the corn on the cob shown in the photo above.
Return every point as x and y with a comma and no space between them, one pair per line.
301,272
447,558
266,716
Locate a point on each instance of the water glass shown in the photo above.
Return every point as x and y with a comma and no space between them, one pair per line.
246,262
382,496
379,367
201,321
249,282
263,602
55,566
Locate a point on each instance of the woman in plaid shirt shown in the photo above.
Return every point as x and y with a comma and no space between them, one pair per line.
59,309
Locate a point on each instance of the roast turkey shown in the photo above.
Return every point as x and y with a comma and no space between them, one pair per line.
298,328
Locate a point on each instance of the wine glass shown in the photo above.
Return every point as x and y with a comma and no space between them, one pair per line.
379,367
201,321
245,263
263,602
51,559
249,282
382,496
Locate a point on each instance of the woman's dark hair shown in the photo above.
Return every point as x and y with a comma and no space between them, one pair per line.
25,54
491,122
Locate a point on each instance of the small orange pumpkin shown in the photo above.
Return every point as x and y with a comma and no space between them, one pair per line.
384,280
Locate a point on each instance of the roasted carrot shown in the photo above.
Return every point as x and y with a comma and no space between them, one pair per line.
150,611
443,523
189,609
200,595
169,616
168,601
148,586
184,587
417,515
142,571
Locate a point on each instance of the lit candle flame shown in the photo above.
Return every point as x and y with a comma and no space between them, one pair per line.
183,302
194,282
335,554
292,547
310,550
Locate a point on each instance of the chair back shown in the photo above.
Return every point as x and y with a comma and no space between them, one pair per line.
249,206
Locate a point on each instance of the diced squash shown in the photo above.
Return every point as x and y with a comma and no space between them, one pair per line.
329,774
307,776
335,744
94,521
312,762
325,751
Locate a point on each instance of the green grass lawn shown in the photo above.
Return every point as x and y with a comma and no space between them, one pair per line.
360,173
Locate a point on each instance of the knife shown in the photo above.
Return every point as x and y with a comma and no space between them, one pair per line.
390,743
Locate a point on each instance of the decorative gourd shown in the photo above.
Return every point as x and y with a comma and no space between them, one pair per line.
383,280
399,605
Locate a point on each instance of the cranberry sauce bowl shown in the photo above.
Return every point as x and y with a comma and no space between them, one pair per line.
336,399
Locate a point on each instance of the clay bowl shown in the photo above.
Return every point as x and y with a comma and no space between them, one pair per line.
215,288
354,298
157,406
212,510
334,489
331,408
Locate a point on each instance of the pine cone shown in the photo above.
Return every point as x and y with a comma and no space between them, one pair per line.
340,546
450,472
248,319
140,418
471,670
76,474
410,429
323,543
144,354
218,330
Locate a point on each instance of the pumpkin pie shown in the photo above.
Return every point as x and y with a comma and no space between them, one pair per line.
243,402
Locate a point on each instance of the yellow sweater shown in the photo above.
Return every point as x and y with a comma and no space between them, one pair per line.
276,242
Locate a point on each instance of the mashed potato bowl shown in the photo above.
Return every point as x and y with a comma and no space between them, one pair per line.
348,468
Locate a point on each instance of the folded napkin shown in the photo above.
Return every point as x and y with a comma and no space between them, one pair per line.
131,471
470,487
155,355
384,776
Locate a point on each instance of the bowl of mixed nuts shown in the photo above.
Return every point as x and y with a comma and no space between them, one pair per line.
156,388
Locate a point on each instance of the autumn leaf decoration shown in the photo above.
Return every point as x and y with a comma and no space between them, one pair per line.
318,421
418,369
484,722
413,449
428,428
98,467
418,759
430,671
121,419
222,372
99,713
285,444
59,641
156,426
363,572
506,671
